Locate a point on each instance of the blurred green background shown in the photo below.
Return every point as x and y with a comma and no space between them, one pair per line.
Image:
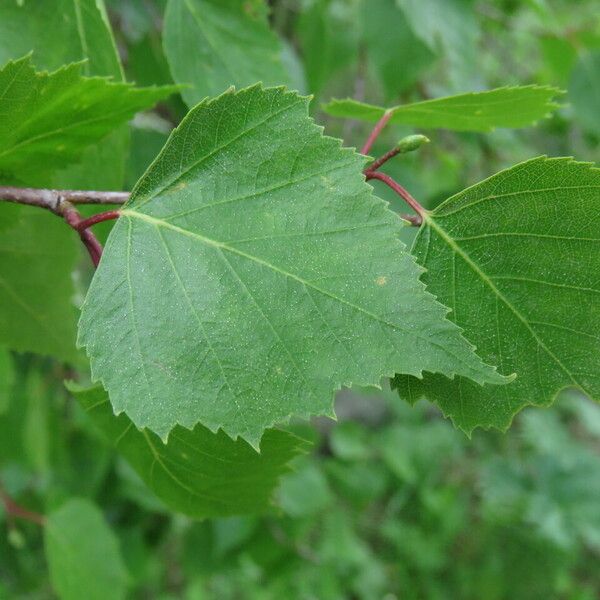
393,502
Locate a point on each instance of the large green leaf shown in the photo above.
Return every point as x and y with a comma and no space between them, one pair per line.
252,273
199,473
475,111
37,257
48,118
83,554
516,258
214,44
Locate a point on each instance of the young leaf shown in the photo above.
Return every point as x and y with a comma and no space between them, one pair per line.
252,273
475,111
37,257
48,118
198,473
212,45
7,378
83,554
516,258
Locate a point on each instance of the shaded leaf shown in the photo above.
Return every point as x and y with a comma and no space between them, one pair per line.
387,35
449,28
83,554
7,379
516,258
37,256
475,111
328,36
252,273
49,118
60,32
214,44
198,473
584,91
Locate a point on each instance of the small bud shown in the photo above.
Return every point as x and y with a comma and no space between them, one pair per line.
411,142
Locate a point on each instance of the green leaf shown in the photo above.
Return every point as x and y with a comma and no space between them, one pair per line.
7,379
475,111
584,91
60,32
198,473
252,273
214,44
516,258
387,35
327,32
49,118
83,554
37,257
449,28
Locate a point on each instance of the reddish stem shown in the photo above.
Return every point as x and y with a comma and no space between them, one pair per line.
14,510
403,193
383,159
61,203
376,131
99,218
93,246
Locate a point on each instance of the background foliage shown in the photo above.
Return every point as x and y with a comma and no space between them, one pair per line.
391,501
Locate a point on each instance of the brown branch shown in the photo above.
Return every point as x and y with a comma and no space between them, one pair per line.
14,510
376,131
50,199
99,218
402,192
61,203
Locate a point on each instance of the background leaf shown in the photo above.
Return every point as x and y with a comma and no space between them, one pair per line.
198,473
449,28
7,379
475,111
49,118
584,91
243,291
516,259
61,32
214,44
83,554
37,257
388,39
